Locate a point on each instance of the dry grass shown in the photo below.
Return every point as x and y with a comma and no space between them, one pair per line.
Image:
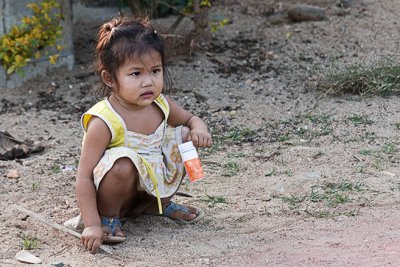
382,78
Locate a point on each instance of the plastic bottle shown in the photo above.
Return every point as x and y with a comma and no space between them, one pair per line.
191,161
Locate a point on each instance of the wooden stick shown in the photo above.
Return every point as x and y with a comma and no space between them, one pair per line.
55,225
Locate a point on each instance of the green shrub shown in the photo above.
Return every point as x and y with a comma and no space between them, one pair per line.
28,40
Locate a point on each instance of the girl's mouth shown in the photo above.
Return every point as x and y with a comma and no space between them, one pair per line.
147,94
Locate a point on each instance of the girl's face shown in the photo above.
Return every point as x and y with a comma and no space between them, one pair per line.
140,80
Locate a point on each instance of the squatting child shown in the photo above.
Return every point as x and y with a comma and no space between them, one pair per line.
130,163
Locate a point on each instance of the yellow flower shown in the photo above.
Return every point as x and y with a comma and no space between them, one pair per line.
26,20
53,58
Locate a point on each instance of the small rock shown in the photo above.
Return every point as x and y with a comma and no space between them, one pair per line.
300,13
205,261
266,198
25,256
54,84
58,264
346,3
13,174
200,96
68,168
271,55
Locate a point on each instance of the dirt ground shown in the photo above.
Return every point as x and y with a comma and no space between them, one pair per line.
295,177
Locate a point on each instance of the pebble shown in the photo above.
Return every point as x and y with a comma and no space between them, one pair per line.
346,3
266,198
271,55
54,84
300,13
205,261
58,264
13,174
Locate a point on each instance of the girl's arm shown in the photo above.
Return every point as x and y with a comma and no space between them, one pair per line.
96,139
199,133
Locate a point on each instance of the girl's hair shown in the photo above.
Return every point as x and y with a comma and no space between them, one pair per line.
122,38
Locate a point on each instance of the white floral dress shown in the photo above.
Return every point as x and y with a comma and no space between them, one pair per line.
158,151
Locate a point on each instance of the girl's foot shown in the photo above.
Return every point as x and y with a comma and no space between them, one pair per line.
185,214
112,230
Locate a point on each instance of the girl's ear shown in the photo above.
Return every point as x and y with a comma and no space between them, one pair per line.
107,79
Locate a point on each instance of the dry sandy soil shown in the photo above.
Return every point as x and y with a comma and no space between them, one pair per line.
295,177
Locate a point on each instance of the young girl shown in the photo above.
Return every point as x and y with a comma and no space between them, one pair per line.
129,162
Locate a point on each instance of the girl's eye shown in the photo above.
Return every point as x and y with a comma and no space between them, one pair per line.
156,71
136,73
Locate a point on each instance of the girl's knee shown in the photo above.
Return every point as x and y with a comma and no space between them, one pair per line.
185,133
123,168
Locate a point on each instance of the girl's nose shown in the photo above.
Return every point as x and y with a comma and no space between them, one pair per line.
147,81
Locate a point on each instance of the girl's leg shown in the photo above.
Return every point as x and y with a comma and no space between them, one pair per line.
117,190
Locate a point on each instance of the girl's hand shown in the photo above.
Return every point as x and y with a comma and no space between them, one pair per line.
92,238
200,137
198,134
